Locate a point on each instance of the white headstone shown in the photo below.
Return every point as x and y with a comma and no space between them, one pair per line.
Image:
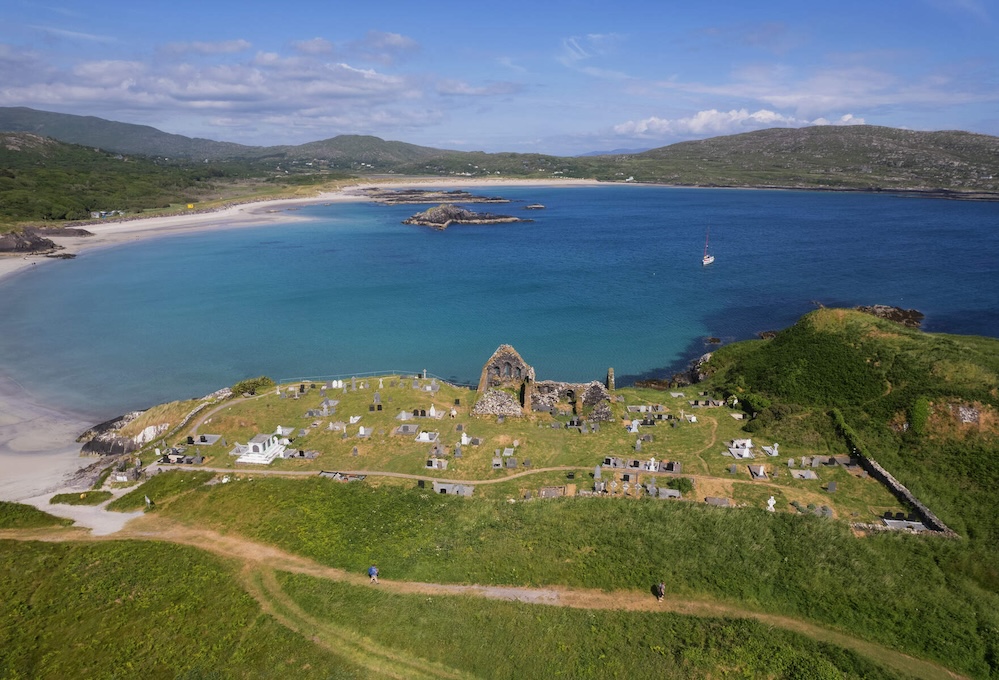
771,503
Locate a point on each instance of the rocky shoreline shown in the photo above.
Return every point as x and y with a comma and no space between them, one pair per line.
446,214
34,241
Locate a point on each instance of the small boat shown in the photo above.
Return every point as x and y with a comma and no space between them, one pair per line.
707,259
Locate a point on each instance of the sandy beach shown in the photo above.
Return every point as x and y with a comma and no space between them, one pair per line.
38,452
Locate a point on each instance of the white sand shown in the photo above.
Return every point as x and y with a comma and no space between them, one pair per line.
38,451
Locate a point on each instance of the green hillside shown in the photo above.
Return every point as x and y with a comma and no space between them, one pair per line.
843,157
926,406
861,157
114,136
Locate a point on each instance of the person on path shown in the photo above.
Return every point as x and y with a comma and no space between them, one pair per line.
373,573
660,591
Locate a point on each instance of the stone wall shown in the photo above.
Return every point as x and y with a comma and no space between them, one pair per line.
903,494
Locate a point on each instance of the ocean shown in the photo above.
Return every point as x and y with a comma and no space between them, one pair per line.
605,276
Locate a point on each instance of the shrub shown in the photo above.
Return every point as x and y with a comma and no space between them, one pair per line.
251,385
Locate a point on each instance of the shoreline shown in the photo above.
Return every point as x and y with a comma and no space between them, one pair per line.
39,454
251,214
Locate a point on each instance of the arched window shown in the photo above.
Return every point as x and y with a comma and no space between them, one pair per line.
517,372
507,370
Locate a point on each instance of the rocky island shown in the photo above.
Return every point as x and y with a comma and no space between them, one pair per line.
447,214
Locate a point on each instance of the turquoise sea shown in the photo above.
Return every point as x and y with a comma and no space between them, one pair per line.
604,276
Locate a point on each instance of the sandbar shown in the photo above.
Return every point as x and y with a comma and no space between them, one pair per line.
38,452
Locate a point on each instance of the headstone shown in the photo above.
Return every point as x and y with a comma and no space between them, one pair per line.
771,503
596,472
638,445
457,402
377,398
353,451
790,462
371,408
732,469
378,407
422,483
353,384
831,487
380,386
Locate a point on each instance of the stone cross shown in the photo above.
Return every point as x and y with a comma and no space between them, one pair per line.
771,503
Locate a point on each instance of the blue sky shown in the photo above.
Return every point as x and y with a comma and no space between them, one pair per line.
552,77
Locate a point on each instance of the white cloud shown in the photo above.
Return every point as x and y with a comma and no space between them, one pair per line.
314,46
576,50
208,48
714,122
460,87
382,48
74,35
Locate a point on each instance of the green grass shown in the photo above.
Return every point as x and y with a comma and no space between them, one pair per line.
160,488
140,610
85,498
20,516
493,639
906,592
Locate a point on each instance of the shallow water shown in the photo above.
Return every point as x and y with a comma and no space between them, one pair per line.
604,276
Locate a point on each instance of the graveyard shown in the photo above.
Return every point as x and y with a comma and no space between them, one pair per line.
369,425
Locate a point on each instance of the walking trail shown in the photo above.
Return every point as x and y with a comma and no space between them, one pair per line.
261,562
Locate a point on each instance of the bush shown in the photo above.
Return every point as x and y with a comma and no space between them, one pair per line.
682,484
251,385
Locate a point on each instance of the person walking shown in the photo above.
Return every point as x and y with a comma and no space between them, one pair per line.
660,591
373,573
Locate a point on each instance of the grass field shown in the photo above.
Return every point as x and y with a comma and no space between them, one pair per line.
20,516
85,498
902,591
140,610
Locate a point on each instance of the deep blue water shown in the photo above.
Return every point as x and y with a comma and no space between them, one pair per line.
604,276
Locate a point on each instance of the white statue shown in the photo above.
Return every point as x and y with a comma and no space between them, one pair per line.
771,503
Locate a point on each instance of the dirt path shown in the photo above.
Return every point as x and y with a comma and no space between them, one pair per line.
261,561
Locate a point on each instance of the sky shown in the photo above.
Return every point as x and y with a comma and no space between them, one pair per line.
543,76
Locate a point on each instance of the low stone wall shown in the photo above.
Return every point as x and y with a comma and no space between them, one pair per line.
903,494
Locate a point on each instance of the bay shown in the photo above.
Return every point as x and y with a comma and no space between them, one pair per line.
603,276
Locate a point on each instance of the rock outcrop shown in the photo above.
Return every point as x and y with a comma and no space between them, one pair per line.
26,242
910,318
105,439
447,214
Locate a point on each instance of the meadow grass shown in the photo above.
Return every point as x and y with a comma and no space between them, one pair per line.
84,498
21,516
902,591
160,488
140,610
498,639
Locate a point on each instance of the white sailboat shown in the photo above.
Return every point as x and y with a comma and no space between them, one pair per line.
707,259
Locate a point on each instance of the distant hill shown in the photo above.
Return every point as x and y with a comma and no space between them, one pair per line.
861,157
612,152
850,157
112,136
